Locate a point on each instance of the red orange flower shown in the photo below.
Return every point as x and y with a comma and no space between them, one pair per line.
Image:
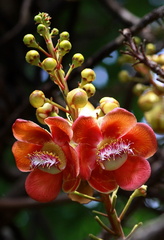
113,150
51,161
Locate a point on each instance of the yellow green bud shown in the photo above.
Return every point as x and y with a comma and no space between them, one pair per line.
150,48
29,41
38,19
49,64
88,76
77,98
77,60
147,100
139,88
45,111
90,89
41,29
54,32
108,103
124,76
64,47
37,98
64,36
33,57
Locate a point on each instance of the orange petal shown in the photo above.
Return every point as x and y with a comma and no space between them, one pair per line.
21,151
142,139
134,173
28,131
86,130
43,186
117,122
60,129
103,181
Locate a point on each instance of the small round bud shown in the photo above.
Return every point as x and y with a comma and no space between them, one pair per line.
147,100
77,60
54,32
150,48
64,36
49,64
29,41
33,57
37,98
77,98
64,46
90,89
139,88
38,19
41,29
88,76
108,103
45,111
124,76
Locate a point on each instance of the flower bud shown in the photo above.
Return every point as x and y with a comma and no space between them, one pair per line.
64,36
77,98
49,64
147,100
45,111
90,89
38,19
139,88
54,32
33,57
150,48
88,76
29,41
124,76
107,104
77,60
64,47
41,29
37,98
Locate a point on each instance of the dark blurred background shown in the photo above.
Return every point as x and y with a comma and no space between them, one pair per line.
92,25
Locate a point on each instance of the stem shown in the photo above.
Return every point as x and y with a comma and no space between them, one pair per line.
57,105
87,196
103,225
112,216
94,237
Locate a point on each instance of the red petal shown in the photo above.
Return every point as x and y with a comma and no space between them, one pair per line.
28,131
117,122
143,140
42,186
86,130
21,151
102,180
60,128
133,173
87,158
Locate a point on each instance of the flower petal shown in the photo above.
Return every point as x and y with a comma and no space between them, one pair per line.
134,173
87,158
28,131
103,181
117,122
142,139
60,129
20,151
86,130
43,186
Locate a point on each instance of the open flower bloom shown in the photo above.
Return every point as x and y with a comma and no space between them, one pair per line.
113,150
51,161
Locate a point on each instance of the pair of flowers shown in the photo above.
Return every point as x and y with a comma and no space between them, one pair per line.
92,154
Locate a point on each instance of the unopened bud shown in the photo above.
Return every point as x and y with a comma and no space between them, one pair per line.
49,64
88,76
142,191
54,32
139,88
150,48
90,89
77,98
41,29
38,19
108,103
33,57
45,111
64,47
64,36
37,98
29,41
77,60
147,100
124,76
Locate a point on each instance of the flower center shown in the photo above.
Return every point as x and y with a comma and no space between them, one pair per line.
111,156
50,159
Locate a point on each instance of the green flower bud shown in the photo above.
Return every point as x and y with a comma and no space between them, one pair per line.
124,76
64,47
150,48
139,88
37,98
77,60
29,41
77,98
49,64
64,36
38,19
90,89
54,32
88,76
147,100
33,57
108,103
41,29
